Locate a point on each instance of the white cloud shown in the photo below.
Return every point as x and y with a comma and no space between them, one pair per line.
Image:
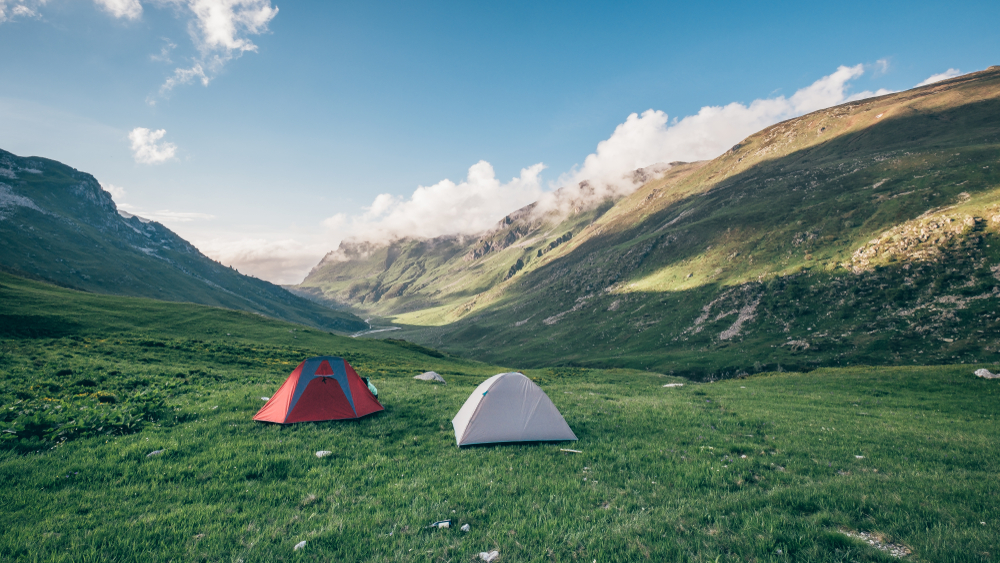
117,192
19,9
128,9
165,216
164,56
146,148
220,29
950,73
445,208
283,261
643,140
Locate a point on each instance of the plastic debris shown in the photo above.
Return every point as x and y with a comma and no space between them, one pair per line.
986,373
465,528
299,545
441,524
571,451
323,453
674,385
156,452
489,556
859,457
265,398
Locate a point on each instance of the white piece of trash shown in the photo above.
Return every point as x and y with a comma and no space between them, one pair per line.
465,528
859,457
674,385
323,453
265,398
570,451
156,452
299,545
441,524
489,556
986,373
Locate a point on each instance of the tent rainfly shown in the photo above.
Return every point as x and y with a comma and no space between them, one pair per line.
429,376
509,407
322,388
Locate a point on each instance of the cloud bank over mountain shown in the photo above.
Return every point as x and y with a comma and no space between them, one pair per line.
476,204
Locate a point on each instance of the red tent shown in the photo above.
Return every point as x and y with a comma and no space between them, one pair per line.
323,388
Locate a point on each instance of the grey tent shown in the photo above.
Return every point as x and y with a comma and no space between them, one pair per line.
429,376
509,407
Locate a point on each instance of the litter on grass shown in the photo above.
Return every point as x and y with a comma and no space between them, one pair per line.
465,528
571,451
987,374
155,452
299,545
489,556
265,398
859,457
674,385
323,453
441,524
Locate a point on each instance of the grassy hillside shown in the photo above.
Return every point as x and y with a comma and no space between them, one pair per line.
773,467
864,233
57,224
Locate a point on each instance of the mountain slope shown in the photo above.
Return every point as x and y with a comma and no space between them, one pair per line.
57,224
863,233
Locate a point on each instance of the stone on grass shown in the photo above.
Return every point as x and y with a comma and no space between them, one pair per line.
489,556
299,545
465,528
429,376
323,453
987,374
155,452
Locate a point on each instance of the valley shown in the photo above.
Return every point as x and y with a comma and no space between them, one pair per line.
865,233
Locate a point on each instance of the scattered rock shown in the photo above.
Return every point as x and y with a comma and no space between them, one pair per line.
323,453
465,528
879,543
156,452
429,376
489,556
299,545
987,374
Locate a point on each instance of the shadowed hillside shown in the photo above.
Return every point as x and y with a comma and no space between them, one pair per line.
863,233
57,224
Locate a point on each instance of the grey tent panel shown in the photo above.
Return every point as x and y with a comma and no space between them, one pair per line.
509,407
429,376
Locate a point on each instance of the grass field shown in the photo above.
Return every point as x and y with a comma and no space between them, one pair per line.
662,473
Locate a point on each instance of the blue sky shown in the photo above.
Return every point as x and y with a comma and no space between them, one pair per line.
319,120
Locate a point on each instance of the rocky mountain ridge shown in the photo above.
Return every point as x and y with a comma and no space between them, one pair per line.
862,233
58,225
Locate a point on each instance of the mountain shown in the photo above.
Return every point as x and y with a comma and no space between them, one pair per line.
58,225
863,233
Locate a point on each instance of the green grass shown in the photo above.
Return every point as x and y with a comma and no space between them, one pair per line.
662,474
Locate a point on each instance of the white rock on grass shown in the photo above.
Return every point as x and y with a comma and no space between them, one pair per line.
987,374
299,545
323,453
489,556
